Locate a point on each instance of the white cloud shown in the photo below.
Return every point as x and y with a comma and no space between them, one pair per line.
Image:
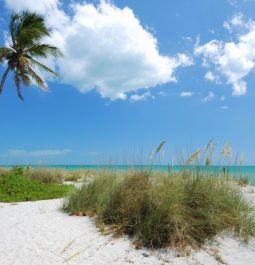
232,2
209,97
224,107
41,6
54,16
39,153
232,61
210,76
162,94
106,48
186,94
143,97
238,23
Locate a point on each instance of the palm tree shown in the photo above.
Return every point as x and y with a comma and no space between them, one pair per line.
27,31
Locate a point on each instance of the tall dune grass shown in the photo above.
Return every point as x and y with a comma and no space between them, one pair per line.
45,175
165,209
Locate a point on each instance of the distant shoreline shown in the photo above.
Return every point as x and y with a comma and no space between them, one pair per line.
236,171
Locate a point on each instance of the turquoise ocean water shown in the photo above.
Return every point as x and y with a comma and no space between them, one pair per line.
235,171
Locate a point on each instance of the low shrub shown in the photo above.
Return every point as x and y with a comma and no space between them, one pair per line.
243,181
165,209
46,175
15,188
51,175
80,174
17,170
4,171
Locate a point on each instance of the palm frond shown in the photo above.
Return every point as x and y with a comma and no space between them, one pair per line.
25,79
21,71
38,80
14,27
42,67
5,52
43,50
27,28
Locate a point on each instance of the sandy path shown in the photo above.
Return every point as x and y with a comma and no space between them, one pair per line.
38,233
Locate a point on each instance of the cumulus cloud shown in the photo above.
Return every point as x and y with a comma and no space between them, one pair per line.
209,97
106,48
210,76
143,97
186,94
55,17
41,6
231,61
38,153
236,21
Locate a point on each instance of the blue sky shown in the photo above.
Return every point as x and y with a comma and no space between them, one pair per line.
115,100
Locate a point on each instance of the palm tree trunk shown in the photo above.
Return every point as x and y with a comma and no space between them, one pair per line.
4,78
19,92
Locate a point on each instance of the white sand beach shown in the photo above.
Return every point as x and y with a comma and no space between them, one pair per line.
39,233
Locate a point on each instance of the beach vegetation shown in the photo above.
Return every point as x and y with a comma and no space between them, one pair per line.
17,187
177,210
46,175
243,181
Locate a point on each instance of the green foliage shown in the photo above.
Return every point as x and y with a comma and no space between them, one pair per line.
4,171
46,175
15,188
51,175
27,30
17,170
165,209
243,181
72,177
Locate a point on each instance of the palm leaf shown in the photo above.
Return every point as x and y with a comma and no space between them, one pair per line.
13,27
42,67
38,80
25,79
27,29
31,28
5,52
42,50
